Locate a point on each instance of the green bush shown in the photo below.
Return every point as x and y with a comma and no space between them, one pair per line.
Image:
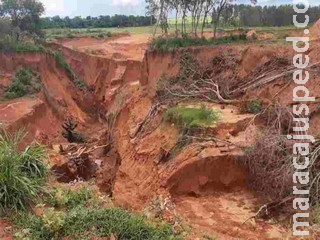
22,174
9,44
25,82
109,34
167,44
191,117
252,106
80,83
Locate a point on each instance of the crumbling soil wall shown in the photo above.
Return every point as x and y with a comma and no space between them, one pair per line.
59,91
101,74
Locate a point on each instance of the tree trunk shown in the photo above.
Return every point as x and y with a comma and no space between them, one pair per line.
204,23
177,22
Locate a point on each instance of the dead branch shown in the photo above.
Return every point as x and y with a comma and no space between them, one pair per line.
268,207
256,83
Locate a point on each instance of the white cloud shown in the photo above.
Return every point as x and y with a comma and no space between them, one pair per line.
54,7
125,3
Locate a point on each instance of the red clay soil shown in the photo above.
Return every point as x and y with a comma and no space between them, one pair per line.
314,32
104,75
42,115
122,47
5,231
208,186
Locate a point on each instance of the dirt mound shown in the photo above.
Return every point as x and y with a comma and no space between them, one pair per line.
314,31
251,35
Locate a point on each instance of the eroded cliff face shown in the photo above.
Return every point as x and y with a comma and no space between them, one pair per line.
102,74
205,181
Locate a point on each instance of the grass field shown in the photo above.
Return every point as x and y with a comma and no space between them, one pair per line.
145,30
279,33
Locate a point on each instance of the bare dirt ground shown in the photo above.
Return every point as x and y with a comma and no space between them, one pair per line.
5,231
118,47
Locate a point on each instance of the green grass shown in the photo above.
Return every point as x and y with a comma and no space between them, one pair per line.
62,197
73,33
75,217
22,173
84,223
9,44
25,82
191,117
168,44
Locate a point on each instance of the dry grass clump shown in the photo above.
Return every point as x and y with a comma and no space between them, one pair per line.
269,161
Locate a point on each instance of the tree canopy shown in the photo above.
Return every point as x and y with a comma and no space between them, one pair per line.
24,14
96,22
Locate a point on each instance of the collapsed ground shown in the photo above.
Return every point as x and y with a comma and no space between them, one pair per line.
137,149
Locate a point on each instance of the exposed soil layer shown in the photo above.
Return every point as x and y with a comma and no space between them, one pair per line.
314,33
205,179
5,231
119,48
207,175
105,76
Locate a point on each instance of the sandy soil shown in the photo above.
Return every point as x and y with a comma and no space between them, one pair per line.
14,110
224,215
121,47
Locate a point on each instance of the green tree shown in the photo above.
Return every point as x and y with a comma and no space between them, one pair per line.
24,14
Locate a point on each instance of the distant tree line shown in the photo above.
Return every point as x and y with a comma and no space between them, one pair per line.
199,11
203,13
96,22
257,16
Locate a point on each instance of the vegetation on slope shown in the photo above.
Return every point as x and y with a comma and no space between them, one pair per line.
167,44
78,214
25,82
22,173
186,117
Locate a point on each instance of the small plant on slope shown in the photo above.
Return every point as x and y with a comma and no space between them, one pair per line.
25,82
82,221
69,133
191,117
252,106
22,174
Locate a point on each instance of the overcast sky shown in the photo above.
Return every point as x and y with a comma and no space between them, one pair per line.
110,7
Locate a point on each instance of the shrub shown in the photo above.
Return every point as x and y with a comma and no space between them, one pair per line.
21,173
80,84
9,44
69,132
252,106
167,44
101,35
191,117
25,82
